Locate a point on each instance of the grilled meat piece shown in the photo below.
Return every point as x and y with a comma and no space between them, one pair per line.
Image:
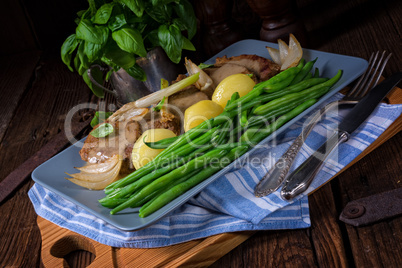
180,101
126,133
217,74
263,68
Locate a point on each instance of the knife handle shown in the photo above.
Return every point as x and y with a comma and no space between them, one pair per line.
276,176
301,178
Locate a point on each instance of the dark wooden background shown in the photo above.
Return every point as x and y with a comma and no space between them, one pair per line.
37,91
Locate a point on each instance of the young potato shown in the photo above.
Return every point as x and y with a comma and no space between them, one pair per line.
141,153
241,83
200,112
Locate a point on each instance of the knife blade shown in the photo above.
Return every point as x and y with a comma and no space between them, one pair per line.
300,179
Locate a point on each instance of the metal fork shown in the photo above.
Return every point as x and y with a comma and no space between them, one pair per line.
276,176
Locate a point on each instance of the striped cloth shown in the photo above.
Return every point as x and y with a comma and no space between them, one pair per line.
228,204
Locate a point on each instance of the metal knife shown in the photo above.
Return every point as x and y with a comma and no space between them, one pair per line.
300,179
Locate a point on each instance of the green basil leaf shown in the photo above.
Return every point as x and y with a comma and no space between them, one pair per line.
116,22
161,2
84,64
103,14
92,51
81,13
115,56
153,38
100,117
98,76
187,45
130,40
136,6
68,47
161,13
84,14
137,72
95,5
77,62
109,74
94,34
102,131
185,11
203,65
171,40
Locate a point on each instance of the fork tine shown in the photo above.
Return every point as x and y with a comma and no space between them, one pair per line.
355,91
374,74
382,68
380,65
364,77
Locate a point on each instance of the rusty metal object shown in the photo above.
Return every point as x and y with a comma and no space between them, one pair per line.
373,208
57,143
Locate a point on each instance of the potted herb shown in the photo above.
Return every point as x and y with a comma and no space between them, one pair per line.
117,33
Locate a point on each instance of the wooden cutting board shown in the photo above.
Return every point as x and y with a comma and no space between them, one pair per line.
57,242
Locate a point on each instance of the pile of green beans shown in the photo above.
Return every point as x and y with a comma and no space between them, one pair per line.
194,156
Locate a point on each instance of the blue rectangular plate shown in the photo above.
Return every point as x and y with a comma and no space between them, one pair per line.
51,174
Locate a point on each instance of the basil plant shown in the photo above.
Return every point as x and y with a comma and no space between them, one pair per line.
115,33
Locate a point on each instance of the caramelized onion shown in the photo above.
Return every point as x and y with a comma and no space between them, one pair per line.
97,181
204,82
99,168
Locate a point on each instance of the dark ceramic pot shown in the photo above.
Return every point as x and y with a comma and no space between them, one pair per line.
156,65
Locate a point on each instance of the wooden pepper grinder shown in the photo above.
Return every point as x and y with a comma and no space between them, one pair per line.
279,19
218,29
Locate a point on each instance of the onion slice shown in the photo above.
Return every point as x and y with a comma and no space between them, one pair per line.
128,111
100,167
204,82
283,50
274,53
96,181
295,53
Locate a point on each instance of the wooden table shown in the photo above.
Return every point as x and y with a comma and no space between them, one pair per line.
37,91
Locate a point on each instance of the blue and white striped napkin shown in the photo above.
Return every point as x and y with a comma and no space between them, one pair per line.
228,204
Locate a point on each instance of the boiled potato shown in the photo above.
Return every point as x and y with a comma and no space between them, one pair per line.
200,112
141,153
240,83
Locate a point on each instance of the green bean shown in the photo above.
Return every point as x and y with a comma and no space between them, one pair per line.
155,163
282,80
229,115
316,73
243,118
266,131
112,203
307,83
234,97
290,99
277,82
183,187
186,137
309,75
242,100
304,71
249,133
223,133
161,144
169,177
170,186
269,116
312,92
